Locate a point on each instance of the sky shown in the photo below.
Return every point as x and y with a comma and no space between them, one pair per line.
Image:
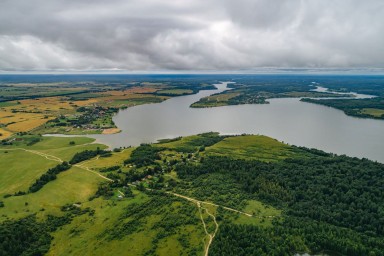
190,35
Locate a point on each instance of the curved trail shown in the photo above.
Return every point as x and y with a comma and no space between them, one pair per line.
199,204
210,236
81,166
204,202
47,156
57,159
89,170
205,230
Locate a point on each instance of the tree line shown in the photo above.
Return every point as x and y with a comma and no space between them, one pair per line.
50,175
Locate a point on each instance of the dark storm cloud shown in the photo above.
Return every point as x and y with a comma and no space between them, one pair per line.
213,35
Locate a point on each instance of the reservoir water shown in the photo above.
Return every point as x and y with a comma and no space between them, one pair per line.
287,119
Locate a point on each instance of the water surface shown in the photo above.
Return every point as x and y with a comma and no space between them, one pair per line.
287,119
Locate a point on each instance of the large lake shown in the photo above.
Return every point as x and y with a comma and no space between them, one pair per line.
288,120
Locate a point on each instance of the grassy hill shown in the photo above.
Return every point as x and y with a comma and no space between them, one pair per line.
222,195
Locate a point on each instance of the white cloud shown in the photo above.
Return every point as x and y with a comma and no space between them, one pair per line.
190,34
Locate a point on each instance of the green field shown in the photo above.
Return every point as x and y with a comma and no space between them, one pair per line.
118,235
66,131
117,158
19,169
56,146
7,104
23,164
255,147
74,185
372,112
264,214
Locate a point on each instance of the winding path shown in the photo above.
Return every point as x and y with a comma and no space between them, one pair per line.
210,236
57,159
204,202
47,156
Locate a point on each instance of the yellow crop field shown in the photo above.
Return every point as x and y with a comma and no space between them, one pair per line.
35,112
4,134
45,105
28,124
21,121
4,114
49,105
26,115
18,117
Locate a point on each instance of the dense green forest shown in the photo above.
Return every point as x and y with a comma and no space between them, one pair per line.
340,190
144,155
331,203
372,108
24,237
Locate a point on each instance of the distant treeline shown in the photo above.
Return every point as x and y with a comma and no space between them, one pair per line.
41,95
194,88
352,107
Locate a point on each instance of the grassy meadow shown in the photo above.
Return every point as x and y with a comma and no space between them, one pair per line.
23,164
372,112
19,169
257,147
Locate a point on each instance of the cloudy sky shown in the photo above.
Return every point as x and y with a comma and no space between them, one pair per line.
190,35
